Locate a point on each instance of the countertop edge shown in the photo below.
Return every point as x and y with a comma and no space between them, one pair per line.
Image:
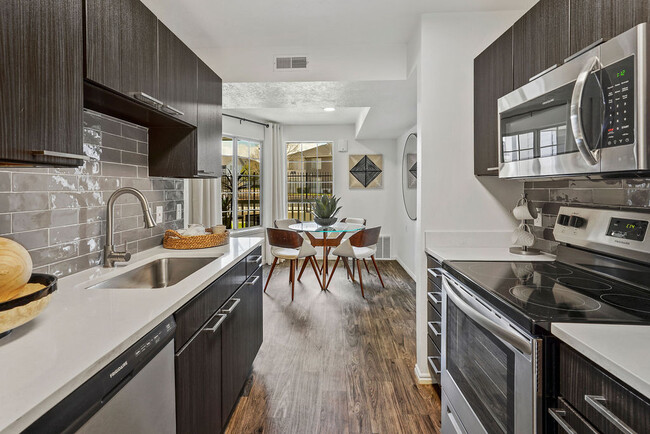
25,420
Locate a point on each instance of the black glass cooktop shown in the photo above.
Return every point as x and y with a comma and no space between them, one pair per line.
536,294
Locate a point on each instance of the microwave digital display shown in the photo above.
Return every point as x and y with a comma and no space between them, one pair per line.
627,229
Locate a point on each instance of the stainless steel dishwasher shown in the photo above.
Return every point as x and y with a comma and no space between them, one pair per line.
135,393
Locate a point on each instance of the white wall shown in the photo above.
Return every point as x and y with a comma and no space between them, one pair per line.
377,206
404,244
451,198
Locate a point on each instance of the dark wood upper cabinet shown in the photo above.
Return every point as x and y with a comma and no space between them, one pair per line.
492,80
209,127
540,39
138,29
103,42
41,81
177,76
603,19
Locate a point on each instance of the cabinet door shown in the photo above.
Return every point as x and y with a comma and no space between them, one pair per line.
41,80
540,39
208,122
103,42
138,49
198,382
242,337
492,80
177,81
595,19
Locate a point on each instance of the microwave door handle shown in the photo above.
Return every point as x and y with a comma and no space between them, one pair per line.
498,330
591,157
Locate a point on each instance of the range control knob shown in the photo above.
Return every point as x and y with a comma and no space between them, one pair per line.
563,220
576,222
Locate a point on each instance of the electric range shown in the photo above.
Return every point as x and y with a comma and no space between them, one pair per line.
498,357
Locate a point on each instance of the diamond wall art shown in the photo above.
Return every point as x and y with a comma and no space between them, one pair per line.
412,164
366,171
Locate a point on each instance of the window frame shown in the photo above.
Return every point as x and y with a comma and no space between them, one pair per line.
235,192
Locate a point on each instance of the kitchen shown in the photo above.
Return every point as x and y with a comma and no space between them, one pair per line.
129,103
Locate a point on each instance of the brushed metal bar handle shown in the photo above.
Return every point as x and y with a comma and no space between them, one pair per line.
206,172
575,111
148,99
255,279
433,365
454,422
431,295
536,76
558,414
234,305
492,169
432,271
214,328
171,110
47,153
433,328
598,402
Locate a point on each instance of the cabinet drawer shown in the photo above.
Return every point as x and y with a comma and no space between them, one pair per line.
434,330
599,397
197,311
254,261
433,272
432,313
433,358
434,296
567,419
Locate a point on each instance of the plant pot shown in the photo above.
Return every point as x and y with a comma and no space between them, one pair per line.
325,222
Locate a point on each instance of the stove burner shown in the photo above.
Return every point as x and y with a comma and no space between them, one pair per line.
583,283
551,269
630,302
554,297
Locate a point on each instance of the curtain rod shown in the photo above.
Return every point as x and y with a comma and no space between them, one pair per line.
247,120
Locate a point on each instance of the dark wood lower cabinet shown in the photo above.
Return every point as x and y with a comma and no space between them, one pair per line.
213,365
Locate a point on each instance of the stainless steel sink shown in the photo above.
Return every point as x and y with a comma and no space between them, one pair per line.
156,274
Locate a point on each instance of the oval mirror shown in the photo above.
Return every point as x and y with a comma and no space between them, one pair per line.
410,175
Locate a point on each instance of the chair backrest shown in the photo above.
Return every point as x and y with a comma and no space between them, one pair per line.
284,238
354,220
284,223
365,237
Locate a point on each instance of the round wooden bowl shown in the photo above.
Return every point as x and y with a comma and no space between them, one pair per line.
18,311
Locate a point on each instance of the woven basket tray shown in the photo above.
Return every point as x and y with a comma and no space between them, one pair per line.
174,240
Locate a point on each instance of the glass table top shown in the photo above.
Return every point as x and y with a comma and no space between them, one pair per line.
336,227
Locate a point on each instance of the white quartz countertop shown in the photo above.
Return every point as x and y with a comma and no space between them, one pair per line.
82,330
622,350
475,246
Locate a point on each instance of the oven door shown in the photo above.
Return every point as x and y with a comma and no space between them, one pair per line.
490,371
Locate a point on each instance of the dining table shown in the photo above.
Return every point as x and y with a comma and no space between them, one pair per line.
326,237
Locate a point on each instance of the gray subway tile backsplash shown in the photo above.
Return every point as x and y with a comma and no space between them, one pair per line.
624,194
59,214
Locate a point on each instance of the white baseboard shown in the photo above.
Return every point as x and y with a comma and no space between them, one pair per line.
408,271
422,377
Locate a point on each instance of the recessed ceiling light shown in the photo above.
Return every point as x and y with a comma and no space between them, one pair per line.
329,109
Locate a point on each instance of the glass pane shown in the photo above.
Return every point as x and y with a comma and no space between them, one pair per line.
243,189
325,150
243,149
294,167
226,155
293,151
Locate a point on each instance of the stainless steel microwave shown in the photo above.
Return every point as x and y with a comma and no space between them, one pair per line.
586,117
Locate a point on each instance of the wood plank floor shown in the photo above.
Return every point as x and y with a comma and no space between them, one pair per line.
332,362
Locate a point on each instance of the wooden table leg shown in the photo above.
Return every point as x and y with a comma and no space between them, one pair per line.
324,260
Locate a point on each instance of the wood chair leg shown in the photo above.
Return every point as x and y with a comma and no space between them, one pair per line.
292,278
360,278
313,263
378,273
275,261
336,263
366,264
302,270
347,268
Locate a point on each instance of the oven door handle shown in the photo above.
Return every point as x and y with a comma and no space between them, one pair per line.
498,330
591,157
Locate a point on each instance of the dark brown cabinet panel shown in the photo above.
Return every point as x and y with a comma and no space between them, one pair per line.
209,122
138,29
41,79
595,19
581,378
540,39
177,76
198,383
103,42
492,80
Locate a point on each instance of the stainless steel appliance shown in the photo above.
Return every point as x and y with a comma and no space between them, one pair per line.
498,353
134,393
585,117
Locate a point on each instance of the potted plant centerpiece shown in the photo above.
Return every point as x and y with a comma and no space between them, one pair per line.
325,210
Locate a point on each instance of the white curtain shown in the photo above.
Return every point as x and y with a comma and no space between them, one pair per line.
205,202
279,181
